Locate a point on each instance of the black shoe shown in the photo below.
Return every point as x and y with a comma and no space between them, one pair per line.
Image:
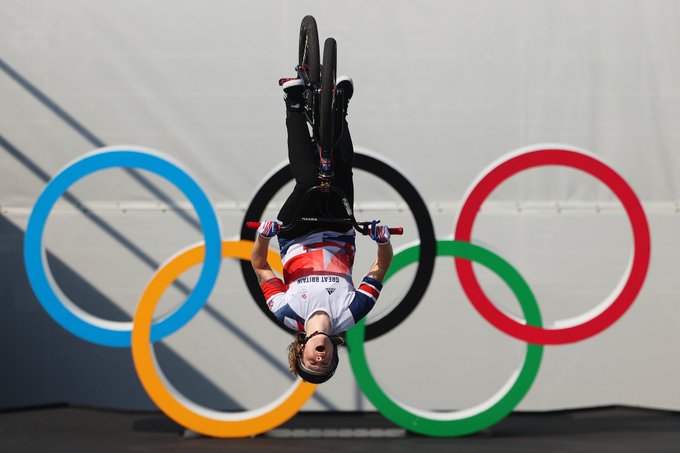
345,88
293,94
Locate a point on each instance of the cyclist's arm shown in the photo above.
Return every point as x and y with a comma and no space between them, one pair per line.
258,259
382,263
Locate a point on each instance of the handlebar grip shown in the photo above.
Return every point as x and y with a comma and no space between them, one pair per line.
398,230
253,225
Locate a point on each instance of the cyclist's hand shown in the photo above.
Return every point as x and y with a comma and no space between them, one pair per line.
380,233
269,229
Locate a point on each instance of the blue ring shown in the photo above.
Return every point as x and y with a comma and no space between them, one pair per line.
105,332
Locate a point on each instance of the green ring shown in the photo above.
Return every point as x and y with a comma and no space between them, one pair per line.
488,413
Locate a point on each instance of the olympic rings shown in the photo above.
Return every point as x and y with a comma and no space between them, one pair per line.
167,398
58,305
483,415
206,421
378,167
608,311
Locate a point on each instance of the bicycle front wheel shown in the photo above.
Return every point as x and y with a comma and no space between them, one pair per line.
308,49
328,75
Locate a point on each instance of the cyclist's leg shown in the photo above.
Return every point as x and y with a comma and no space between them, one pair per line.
301,150
303,165
344,150
343,157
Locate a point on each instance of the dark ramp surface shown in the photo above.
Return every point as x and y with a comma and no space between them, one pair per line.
602,430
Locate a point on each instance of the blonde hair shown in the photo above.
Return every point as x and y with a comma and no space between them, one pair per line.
295,349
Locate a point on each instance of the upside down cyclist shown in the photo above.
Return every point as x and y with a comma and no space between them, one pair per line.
317,297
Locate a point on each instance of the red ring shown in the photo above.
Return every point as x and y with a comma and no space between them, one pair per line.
641,244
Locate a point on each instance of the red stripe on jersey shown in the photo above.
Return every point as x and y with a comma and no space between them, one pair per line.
340,245
272,287
374,292
303,265
300,327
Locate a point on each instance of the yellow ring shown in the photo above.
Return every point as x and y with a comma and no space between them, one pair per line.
187,413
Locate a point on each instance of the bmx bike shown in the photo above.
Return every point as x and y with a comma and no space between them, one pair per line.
323,109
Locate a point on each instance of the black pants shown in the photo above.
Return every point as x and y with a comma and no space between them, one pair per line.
303,156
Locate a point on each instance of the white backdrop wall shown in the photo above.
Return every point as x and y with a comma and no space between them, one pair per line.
443,88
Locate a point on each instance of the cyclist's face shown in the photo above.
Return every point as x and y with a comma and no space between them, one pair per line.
317,354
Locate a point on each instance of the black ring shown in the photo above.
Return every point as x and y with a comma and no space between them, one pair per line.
428,242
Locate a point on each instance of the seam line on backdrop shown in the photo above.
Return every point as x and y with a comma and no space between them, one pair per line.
669,207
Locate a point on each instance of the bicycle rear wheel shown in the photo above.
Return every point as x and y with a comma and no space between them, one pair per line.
327,107
308,49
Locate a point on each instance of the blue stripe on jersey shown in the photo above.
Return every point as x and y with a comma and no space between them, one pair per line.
362,304
350,239
284,245
287,312
373,282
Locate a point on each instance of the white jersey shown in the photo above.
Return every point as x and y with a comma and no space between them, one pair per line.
317,269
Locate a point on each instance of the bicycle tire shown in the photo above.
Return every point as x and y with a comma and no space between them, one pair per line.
326,108
308,49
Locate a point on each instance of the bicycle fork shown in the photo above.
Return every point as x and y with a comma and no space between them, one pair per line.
326,173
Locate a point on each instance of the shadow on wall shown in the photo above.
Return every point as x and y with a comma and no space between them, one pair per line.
45,364
20,298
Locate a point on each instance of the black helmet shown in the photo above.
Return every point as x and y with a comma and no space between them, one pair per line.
317,377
